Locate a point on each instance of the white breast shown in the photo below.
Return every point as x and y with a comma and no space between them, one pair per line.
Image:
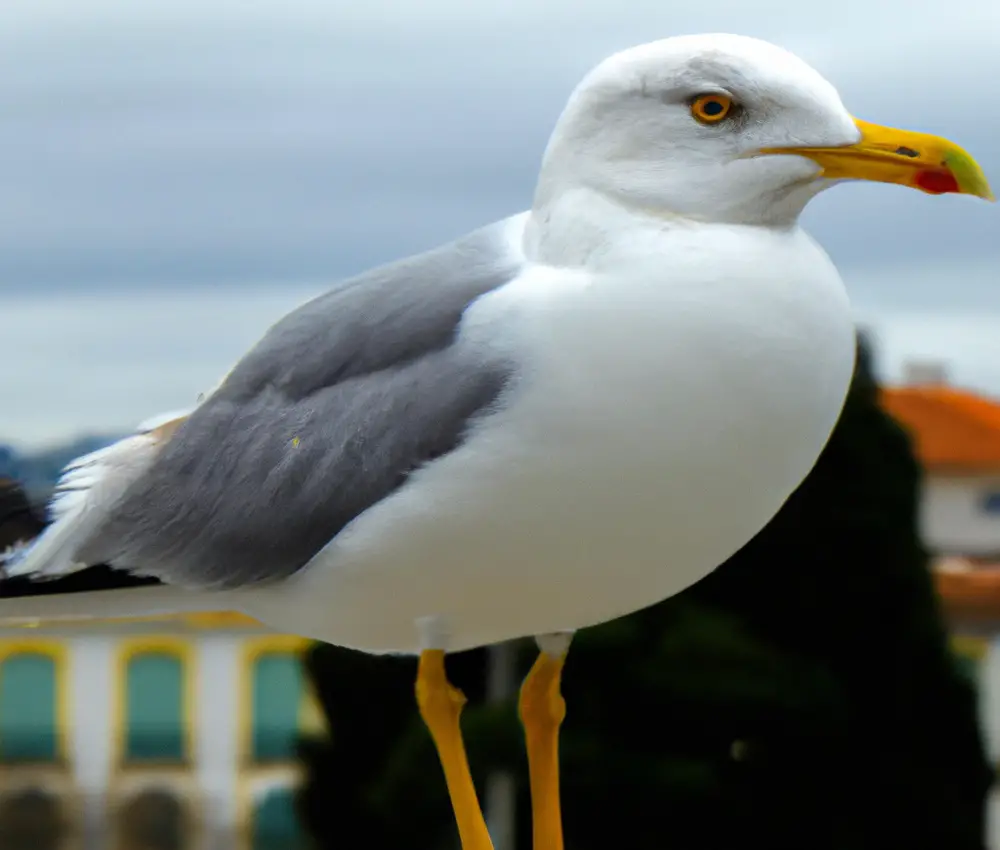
663,419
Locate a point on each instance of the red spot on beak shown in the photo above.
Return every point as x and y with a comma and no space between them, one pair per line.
937,182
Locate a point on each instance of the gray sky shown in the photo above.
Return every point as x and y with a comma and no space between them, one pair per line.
177,173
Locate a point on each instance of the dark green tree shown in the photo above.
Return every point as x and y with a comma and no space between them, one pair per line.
802,696
375,780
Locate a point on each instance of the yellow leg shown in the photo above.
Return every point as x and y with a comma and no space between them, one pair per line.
542,711
440,706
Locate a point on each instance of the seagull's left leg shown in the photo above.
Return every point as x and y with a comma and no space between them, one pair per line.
542,711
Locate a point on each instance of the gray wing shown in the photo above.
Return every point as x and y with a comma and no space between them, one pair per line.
324,417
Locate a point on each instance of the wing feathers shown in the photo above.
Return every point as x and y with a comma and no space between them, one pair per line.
327,415
86,493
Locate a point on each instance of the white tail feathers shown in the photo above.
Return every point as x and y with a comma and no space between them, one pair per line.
88,490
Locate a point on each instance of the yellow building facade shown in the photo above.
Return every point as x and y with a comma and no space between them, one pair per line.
167,734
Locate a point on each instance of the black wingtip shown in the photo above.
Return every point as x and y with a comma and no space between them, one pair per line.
100,577
21,522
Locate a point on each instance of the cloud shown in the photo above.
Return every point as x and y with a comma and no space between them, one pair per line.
943,287
966,344
168,167
103,362
151,144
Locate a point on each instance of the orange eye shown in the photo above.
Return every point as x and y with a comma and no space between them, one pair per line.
711,108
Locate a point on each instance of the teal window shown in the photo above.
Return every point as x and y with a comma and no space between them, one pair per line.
28,730
154,708
277,697
276,824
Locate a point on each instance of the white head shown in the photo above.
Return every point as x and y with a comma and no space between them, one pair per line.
681,126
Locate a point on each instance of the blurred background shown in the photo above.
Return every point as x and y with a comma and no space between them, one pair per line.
174,176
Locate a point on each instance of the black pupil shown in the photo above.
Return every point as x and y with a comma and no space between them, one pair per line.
713,108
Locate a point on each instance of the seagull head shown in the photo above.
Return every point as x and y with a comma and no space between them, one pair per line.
727,128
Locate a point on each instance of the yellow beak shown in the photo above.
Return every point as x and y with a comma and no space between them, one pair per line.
887,155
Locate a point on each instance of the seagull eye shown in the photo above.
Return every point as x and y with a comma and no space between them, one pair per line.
712,108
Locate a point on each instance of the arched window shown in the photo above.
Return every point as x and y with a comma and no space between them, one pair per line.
275,822
29,701
155,699
154,820
31,820
276,703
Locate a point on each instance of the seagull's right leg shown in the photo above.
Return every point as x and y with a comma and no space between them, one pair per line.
542,711
440,706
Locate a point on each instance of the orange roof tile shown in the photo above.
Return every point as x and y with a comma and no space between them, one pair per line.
952,429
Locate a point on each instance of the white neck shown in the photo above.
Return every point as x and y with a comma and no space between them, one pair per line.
585,227
572,229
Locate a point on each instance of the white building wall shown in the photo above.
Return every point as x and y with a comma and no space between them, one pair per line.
218,715
953,519
91,683
989,699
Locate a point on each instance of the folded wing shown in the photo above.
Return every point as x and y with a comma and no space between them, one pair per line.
328,414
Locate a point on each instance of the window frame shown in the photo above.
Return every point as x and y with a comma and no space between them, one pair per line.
307,712
184,652
257,779
58,652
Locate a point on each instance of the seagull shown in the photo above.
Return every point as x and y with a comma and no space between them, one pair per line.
549,423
